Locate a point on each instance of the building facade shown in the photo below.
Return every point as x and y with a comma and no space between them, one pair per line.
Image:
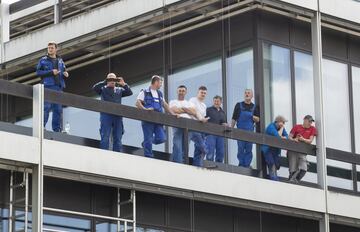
299,57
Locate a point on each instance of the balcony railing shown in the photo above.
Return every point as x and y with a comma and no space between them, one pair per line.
86,103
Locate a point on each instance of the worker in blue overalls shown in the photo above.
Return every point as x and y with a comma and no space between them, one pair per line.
112,89
152,99
52,71
272,154
245,115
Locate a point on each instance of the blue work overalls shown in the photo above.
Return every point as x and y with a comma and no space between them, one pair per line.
110,122
44,71
153,133
245,122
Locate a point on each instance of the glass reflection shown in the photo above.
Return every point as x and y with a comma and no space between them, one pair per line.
336,105
356,105
240,76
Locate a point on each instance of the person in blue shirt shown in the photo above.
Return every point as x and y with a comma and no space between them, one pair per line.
52,71
272,154
112,89
151,99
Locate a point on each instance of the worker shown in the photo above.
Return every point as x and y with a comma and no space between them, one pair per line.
272,154
302,133
112,89
52,71
245,115
151,99
214,143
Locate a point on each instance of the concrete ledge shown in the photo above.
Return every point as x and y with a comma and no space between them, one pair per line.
167,174
344,205
19,148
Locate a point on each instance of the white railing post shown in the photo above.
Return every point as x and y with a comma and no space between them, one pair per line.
37,174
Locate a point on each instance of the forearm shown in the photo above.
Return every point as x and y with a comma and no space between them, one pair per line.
140,105
233,122
127,91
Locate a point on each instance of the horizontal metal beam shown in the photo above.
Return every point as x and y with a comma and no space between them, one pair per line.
16,89
169,120
343,156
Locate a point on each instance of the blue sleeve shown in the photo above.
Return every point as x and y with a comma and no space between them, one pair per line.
126,91
98,87
285,134
271,130
40,70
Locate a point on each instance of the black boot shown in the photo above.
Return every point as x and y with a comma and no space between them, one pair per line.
291,174
301,175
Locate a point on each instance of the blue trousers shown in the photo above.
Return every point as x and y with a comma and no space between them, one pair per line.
153,134
244,154
178,146
272,160
213,143
110,122
56,109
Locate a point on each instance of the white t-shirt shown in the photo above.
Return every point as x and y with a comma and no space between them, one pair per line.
180,104
199,106
141,95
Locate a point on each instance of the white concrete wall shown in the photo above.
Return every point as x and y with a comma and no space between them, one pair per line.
81,25
164,173
309,4
344,205
21,148
345,9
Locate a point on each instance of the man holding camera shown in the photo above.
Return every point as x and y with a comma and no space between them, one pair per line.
112,89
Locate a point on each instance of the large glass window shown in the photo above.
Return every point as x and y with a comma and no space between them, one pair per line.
240,76
304,85
356,105
207,73
277,82
336,105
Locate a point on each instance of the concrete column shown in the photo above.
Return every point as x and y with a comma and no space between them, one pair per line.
4,28
319,113
38,170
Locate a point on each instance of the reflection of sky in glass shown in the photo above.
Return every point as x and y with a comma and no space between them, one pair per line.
240,76
304,85
336,107
356,99
207,73
277,80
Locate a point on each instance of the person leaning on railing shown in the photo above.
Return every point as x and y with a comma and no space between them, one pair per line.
52,71
304,133
184,109
151,99
112,89
272,154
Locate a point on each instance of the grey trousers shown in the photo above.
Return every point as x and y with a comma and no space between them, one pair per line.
297,161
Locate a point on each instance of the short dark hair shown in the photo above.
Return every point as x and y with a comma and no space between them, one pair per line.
181,87
217,97
203,88
155,78
52,43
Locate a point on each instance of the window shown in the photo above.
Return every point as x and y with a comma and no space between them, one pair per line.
207,73
240,76
277,82
356,105
336,105
304,85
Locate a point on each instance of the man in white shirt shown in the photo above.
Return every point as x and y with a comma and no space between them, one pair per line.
152,99
200,106
183,109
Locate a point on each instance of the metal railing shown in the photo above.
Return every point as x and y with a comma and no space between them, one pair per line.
90,104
